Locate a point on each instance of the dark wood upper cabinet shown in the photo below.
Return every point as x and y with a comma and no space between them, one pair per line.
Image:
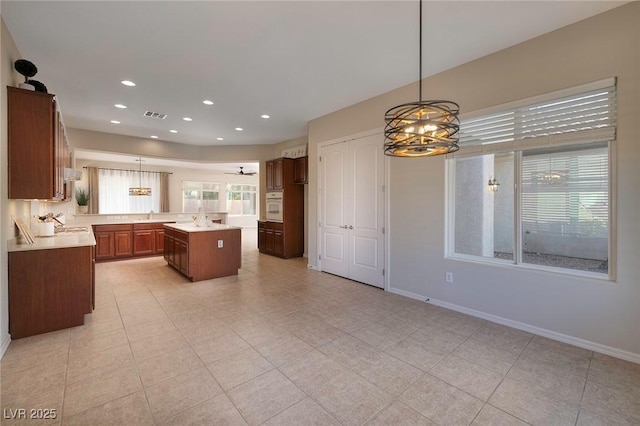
278,174
269,175
37,147
300,170
275,174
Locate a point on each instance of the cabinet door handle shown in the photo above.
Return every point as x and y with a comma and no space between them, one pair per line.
343,227
350,227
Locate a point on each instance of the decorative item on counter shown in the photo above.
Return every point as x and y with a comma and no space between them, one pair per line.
201,219
28,70
46,226
28,236
82,199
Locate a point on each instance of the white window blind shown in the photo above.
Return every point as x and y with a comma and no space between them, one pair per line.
582,115
566,193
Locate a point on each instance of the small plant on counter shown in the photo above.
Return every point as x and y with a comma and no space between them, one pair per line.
82,197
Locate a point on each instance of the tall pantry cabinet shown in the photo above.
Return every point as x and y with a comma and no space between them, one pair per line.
283,239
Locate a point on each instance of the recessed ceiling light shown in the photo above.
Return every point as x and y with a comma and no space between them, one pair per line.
115,122
207,102
239,129
173,131
120,106
187,118
220,139
128,83
265,116
154,137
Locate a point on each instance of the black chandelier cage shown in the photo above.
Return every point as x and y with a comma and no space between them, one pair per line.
423,128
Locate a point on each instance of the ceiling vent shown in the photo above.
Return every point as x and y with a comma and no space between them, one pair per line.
155,115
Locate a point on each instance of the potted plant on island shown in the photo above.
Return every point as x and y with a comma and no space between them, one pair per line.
82,199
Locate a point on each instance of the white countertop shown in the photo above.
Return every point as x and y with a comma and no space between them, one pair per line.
63,240
116,219
191,227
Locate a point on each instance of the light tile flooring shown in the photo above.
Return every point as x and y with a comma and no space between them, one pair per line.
283,345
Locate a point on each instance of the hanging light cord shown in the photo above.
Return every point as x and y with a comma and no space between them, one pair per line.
423,128
420,56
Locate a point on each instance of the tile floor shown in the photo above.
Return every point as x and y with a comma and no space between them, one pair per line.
283,345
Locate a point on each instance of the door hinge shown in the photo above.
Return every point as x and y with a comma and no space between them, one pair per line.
383,188
383,272
319,257
383,230
320,159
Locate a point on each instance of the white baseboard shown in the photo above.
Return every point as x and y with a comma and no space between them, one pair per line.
575,341
5,345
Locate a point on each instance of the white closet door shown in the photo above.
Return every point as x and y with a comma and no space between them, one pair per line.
366,239
335,209
352,201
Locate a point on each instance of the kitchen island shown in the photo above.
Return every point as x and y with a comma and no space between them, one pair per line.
202,253
51,282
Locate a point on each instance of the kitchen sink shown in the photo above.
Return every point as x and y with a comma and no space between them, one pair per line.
71,229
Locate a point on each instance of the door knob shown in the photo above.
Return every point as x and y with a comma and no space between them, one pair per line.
350,227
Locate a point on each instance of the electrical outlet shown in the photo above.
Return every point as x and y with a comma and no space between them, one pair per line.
220,243
448,276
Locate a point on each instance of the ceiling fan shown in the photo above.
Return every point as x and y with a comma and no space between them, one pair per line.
242,173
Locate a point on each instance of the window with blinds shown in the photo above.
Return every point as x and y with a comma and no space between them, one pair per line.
566,193
557,182
588,113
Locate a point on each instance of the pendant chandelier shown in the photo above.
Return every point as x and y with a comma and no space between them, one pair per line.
423,128
139,190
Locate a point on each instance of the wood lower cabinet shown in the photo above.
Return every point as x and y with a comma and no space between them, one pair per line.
114,242
202,255
262,237
123,243
159,238
144,241
105,248
50,289
273,240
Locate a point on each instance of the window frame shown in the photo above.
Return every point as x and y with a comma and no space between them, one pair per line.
200,190
254,191
518,149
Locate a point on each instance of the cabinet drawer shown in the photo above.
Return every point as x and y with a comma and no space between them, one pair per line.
147,226
112,228
181,235
276,226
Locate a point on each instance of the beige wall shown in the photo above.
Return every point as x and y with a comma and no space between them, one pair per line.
562,306
9,209
175,185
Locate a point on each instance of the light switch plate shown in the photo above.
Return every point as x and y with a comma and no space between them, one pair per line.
220,243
